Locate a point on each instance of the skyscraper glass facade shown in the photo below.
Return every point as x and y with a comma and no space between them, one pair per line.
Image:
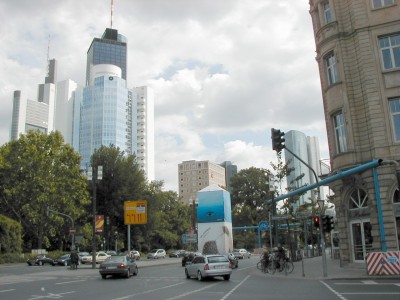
104,116
111,49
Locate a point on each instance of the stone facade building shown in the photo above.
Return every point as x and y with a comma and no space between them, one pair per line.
358,54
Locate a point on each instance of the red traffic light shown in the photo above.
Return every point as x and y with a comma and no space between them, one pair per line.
316,222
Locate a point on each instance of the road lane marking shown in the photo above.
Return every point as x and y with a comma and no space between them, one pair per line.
149,291
192,292
4,291
50,296
372,293
232,290
334,291
68,282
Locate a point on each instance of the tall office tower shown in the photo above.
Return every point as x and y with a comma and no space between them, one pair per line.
194,176
67,111
297,142
357,46
144,129
105,113
230,170
110,49
35,114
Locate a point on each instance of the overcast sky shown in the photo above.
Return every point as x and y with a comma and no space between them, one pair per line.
223,72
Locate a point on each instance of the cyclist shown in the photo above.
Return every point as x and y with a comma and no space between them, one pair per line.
280,257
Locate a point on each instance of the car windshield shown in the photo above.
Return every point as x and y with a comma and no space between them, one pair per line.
236,250
65,256
217,259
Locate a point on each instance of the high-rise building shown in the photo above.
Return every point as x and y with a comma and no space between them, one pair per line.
110,49
143,129
357,46
307,149
195,175
230,171
35,114
106,114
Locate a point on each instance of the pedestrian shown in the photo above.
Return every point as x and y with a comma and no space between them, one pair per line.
74,260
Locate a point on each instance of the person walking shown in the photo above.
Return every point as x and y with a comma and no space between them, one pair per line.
74,260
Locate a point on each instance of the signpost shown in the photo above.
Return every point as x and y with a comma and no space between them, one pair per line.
135,212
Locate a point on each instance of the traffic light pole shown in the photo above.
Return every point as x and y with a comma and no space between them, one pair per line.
324,264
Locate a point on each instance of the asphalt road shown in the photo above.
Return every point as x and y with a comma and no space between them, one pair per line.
165,279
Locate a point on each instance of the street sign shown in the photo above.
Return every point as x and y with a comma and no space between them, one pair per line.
135,212
278,218
189,238
303,214
72,231
263,225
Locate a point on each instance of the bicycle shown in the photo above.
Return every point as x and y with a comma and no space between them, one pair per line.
281,265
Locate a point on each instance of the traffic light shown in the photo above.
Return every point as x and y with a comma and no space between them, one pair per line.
330,223
325,225
278,140
316,222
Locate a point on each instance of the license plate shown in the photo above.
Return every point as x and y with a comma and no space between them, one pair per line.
219,267
110,267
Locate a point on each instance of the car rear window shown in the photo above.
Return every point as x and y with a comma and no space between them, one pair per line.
217,259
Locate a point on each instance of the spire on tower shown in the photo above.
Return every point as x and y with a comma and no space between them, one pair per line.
112,12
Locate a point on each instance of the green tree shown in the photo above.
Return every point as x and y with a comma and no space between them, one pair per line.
123,180
38,171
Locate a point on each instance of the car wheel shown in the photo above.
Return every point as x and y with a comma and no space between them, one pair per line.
187,274
40,263
227,277
128,273
65,264
104,276
136,271
199,276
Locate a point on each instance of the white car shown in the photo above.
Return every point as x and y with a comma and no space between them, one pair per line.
156,253
100,257
134,254
208,266
241,253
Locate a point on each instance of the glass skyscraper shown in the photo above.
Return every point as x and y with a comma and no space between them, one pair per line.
111,49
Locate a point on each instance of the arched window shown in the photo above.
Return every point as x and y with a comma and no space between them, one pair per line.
358,199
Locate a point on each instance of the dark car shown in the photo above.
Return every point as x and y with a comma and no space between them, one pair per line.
63,260
40,260
178,253
188,257
119,265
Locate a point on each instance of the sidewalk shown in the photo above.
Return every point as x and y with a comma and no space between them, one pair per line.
311,268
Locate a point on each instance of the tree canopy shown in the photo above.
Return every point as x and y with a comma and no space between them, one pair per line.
38,171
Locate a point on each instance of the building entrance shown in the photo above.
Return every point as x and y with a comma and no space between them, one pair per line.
361,239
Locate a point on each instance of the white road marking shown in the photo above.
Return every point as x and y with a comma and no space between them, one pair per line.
149,291
4,291
50,296
232,290
195,291
68,282
333,291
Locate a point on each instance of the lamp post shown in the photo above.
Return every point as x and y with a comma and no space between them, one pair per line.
98,175
321,204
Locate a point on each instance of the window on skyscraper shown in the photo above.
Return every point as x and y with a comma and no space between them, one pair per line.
331,69
390,49
394,105
340,132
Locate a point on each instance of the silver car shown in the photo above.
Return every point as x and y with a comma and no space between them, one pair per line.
208,266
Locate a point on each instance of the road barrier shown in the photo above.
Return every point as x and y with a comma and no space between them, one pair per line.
383,263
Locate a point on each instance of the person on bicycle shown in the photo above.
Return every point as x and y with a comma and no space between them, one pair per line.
74,260
281,256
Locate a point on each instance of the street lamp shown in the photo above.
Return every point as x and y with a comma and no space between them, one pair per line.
98,175
321,204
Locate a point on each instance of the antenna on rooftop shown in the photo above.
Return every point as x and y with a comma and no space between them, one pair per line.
48,58
112,12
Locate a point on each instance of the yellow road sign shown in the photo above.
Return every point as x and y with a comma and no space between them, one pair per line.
135,212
